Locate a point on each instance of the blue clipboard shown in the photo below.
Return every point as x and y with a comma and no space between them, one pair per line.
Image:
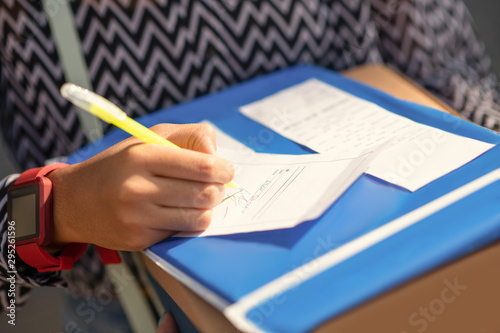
374,238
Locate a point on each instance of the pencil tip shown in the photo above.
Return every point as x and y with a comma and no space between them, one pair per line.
232,185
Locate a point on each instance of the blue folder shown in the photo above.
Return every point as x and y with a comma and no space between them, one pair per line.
292,280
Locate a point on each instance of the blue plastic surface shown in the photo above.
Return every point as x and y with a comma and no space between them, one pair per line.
235,265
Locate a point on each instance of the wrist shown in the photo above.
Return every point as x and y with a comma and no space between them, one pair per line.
62,209
30,208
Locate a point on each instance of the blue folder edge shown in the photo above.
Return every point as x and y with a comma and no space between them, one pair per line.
225,269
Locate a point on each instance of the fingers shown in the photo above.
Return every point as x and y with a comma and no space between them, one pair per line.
142,225
183,219
184,164
185,194
198,137
158,223
171,192
167,325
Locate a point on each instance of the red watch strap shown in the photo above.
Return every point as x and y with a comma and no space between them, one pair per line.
32,253
108,256
38,172
38,257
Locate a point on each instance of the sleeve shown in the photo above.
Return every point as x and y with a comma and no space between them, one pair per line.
434,43
86,279
16,284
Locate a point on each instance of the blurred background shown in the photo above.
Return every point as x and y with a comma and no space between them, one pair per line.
485,14
43,311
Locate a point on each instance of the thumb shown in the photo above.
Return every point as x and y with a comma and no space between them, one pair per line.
198,137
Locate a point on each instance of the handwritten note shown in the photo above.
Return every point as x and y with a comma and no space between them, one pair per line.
329,120
280,191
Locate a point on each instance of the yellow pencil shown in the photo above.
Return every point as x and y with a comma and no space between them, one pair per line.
110,113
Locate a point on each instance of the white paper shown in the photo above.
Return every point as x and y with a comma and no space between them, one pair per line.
226,145
281,191
329,120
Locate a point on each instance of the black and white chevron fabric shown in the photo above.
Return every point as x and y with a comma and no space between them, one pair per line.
145,55
434,42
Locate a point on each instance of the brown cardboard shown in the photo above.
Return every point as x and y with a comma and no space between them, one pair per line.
428,305
397,85
202,314
475,309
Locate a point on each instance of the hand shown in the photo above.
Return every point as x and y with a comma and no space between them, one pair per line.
134,194
167,325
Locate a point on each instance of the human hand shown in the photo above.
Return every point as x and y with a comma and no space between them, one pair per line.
167,324
134,195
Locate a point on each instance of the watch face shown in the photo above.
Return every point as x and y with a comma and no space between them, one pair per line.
23,209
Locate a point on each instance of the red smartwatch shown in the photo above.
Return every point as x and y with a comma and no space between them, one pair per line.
30,212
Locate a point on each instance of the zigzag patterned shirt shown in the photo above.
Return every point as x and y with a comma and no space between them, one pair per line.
145,55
